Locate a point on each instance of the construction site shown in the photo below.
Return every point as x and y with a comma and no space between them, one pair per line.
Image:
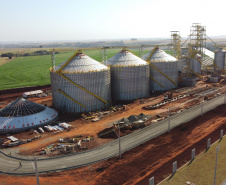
121,120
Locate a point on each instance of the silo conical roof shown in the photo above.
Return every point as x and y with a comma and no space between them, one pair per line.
125,58
81,63
21,107
159,56
23,114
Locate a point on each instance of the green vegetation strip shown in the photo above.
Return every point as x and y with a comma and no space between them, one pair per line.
34,70
201,170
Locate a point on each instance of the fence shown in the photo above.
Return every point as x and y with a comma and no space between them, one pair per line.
112,148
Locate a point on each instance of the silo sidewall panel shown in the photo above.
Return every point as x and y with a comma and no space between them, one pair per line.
169,69
93,82
129,83
96,82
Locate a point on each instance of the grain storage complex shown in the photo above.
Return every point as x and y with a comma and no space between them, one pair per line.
80,84
129,76
163,70
21,115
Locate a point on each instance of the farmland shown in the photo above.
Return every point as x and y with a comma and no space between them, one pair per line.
34,70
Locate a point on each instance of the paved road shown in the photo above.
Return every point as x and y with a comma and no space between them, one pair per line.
10,165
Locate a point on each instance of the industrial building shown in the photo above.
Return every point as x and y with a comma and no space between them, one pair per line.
21,115
163,70
80,84
129,76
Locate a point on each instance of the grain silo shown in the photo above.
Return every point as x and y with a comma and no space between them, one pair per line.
219,60
129,76
21,115
196,64
80,84
163,70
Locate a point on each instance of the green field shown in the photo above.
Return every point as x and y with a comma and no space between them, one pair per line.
4,60
34,70
201,170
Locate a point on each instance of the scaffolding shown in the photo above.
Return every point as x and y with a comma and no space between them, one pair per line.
196,47
197,40
176,44
104,54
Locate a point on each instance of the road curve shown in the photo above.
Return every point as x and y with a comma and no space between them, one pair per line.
11,165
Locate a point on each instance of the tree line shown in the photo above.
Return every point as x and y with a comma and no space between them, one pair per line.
35,53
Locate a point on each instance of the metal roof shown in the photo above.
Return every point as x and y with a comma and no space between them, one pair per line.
125,58
82,63
159,56
24,113
21,107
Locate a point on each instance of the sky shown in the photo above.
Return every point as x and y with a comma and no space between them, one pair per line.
79,20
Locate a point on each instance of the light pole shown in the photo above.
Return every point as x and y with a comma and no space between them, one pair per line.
119,139
202,106
218,148
225,97
169,121
36,171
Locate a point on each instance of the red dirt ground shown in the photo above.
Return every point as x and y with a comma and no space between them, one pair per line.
153,158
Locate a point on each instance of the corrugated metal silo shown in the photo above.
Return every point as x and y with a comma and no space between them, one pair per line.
129,76
163,70
196,64
219,60
80,84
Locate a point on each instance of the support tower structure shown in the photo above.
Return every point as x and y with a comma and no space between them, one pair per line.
197,40
176,44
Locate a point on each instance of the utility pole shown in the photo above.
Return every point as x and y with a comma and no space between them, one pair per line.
141,50
225,97
53,60
202,106
36,171
119,139
169,121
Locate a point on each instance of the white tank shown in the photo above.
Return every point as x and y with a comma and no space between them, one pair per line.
195,65
219,59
